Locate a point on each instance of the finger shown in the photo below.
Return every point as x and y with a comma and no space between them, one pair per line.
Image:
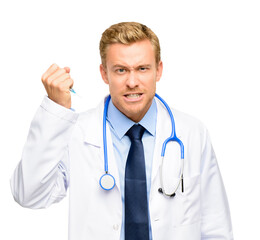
53,68
56,74
57,81
66,85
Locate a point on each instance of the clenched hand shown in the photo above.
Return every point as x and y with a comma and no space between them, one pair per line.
57,82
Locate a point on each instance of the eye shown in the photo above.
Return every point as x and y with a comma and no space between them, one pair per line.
143,69
120,70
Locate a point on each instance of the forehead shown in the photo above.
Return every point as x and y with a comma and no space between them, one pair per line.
138,53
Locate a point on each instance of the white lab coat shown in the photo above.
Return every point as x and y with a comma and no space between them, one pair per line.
65,149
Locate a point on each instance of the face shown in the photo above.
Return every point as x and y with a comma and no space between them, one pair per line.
131,73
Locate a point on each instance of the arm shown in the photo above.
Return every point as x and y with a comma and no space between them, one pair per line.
216,221
41,177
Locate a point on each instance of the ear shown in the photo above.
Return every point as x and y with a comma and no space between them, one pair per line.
159,71
103,73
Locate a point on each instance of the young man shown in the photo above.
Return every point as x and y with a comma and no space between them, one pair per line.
65,149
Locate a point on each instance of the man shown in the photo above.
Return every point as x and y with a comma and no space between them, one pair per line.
65,149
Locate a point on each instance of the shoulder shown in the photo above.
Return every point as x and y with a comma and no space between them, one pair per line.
190,128
181,118
91,119
186,125
92,114
186,120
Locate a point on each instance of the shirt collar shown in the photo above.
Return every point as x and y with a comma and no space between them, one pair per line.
121,124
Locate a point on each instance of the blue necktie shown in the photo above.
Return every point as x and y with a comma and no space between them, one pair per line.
136,206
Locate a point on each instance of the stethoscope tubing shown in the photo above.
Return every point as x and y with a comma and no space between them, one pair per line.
173,137
105,134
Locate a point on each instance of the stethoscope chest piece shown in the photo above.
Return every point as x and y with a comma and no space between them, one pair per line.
107,181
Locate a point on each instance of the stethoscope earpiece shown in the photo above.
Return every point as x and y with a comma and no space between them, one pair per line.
160,190
168,195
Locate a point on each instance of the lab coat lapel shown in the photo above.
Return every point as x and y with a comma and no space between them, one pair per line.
93,135
163,131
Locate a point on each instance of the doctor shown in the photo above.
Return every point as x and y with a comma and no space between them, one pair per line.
65,149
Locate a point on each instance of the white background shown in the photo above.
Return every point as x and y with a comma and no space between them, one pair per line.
211,55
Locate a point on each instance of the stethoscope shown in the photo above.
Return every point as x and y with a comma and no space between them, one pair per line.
107,181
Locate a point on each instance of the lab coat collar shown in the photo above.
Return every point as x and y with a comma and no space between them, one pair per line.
94,135
121,124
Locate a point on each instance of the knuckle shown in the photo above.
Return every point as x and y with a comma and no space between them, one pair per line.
53,84
48,81
60,87
54,66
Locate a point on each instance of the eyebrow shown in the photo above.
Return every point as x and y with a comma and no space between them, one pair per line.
139,66
118,66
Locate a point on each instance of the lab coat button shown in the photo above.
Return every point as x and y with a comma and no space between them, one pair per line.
115,227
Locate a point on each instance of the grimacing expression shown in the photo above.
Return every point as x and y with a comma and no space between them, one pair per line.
131,73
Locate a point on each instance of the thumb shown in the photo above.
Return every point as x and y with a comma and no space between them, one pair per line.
67,69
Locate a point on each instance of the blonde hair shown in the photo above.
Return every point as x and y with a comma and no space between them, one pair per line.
127,33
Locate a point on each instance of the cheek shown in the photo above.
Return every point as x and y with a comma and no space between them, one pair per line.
149,78
151,85
113,87
116,85
115,91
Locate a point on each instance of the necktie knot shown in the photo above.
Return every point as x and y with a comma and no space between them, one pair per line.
135,132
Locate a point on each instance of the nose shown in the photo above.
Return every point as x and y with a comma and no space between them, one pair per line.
132,80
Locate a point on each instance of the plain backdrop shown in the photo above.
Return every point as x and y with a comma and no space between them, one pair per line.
211,56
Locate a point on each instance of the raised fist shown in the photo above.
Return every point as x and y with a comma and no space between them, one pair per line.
57,82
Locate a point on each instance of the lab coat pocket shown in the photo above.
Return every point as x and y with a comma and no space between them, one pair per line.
190,199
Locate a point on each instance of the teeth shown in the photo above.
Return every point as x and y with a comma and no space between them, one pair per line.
133,95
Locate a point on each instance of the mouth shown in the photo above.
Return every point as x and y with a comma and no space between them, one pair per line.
133,97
